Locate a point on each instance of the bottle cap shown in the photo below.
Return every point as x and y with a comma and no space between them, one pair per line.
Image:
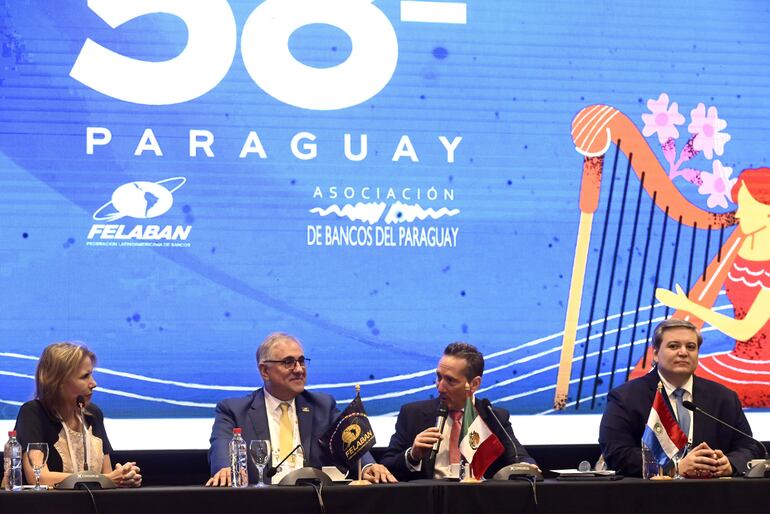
12,433
236,430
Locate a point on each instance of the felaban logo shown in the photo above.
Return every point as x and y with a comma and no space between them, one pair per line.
350,434
140,200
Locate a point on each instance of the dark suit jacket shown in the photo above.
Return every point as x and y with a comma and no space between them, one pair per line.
315,413
628,407
417,416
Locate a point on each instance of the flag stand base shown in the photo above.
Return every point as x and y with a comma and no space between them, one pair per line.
360,481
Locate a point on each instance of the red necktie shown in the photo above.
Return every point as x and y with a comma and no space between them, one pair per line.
454,436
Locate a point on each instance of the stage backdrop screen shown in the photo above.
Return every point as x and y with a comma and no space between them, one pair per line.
380,178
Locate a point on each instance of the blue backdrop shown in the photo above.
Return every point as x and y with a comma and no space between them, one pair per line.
458,222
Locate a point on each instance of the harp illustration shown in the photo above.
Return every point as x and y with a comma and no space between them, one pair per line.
649,228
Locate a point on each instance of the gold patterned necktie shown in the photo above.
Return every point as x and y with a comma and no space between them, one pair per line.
285,432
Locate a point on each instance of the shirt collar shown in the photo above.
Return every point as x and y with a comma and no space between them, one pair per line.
274,404
670,388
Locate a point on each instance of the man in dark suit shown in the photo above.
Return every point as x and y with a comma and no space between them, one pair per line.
715,449
408,454
282,412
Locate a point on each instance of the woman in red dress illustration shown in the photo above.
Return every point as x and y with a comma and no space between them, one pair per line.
745,369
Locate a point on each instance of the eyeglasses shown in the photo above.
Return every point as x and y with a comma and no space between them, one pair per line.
290,362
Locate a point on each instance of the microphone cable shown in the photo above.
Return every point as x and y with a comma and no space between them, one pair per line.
532,479
318,488
93,500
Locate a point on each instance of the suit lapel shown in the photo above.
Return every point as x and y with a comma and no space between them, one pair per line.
428,419
654,380
698,432
305,421
258,416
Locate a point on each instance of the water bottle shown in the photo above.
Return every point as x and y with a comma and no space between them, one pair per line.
239,471
12,463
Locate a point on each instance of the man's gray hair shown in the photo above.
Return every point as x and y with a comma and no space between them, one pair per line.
265,348
670,324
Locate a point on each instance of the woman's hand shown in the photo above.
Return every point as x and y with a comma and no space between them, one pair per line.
126,475
677,301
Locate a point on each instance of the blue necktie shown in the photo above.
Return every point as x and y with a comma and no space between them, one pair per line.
682,413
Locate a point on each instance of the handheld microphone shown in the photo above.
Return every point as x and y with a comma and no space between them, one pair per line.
270,471
441,416
81,403
756,466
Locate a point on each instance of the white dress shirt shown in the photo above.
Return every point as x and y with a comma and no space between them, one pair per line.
274,411
442,466
687,396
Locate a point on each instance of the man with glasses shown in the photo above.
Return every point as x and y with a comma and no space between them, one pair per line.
282,412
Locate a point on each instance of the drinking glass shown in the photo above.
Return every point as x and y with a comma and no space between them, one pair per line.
650,466
37,455
260,454
676,458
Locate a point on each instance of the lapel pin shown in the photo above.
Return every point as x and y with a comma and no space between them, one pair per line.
305,409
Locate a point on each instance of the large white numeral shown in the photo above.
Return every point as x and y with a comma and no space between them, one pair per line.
368,69
204,62
211,46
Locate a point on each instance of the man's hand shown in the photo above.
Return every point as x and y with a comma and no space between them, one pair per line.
424,442
378,474
703,462
220,479
724,468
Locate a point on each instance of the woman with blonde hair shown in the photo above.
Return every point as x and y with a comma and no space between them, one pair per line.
64,385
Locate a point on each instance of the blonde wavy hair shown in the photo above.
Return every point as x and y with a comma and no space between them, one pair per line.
58,362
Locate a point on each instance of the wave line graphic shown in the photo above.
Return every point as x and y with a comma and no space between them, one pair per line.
390,379
125,394
393,394
181,403
369,212
144,378
571,404
551,387
405,213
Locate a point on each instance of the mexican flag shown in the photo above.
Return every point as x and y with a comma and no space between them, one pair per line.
478,444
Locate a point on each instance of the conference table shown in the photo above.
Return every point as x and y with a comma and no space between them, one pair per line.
423,497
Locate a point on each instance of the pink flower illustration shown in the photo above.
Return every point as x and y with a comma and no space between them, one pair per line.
717,184
707,129
662,119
